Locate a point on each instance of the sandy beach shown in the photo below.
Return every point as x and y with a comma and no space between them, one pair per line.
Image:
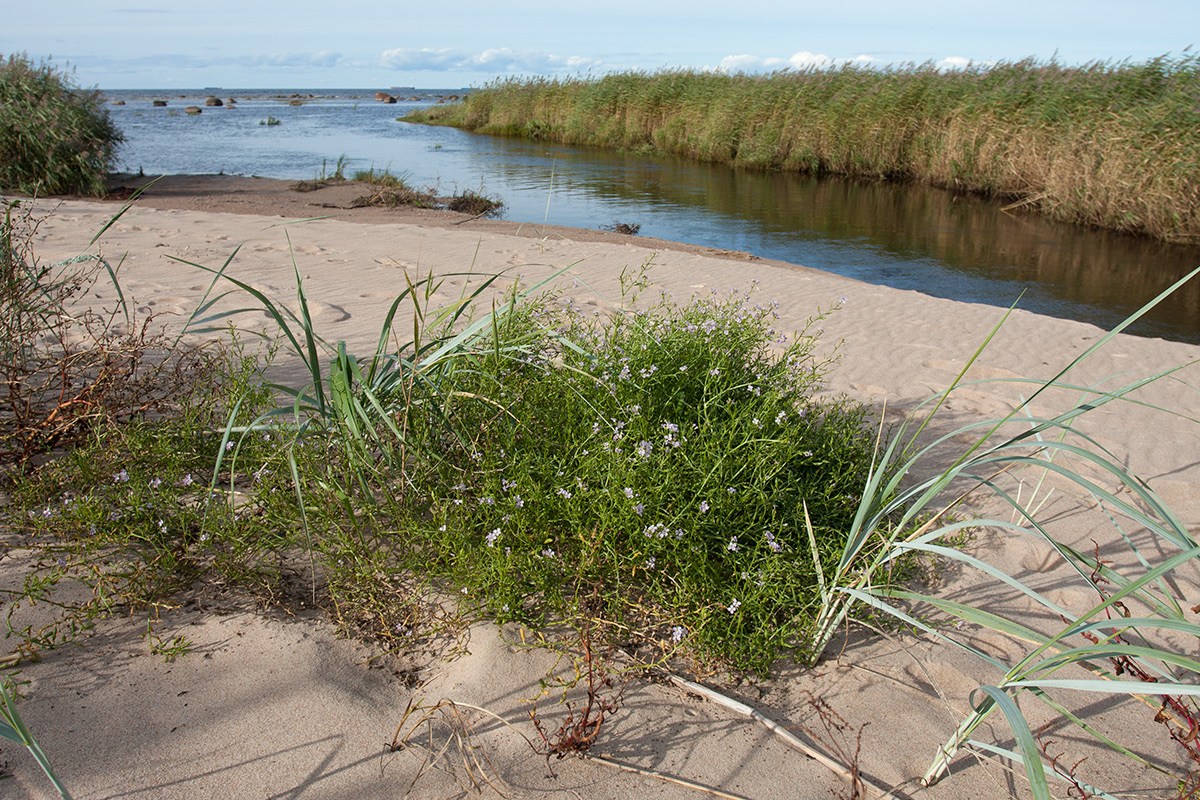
273,704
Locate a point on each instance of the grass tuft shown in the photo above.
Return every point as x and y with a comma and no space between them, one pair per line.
55,138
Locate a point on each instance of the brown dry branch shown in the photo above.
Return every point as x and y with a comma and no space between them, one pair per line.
582,726
63,368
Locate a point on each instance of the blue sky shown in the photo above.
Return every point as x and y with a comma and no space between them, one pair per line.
116,44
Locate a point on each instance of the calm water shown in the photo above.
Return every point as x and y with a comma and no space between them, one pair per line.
906,237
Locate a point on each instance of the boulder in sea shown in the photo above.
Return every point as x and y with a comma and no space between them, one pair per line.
213,101
192,110
159,103
118,102
381,95
295,102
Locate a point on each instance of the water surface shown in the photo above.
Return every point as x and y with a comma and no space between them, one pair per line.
907,237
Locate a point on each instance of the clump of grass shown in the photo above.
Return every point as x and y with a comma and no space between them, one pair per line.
623,228
270,121
383,178
55,138
1134,636
475,204
1104,144
666,457
391,191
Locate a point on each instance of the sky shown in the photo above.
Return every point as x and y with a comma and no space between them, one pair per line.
139,44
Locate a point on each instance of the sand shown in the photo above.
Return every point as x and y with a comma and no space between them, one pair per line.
272,704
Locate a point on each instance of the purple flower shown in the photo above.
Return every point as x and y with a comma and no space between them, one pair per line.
733,545
629,492
492,537
677,633
644,449
704,506
734,606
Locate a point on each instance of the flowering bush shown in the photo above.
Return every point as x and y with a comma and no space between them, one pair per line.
666,457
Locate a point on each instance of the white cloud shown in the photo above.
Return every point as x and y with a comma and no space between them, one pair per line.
501,59
954,62
798,61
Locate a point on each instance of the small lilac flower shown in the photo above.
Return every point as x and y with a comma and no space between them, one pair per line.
639,508
774,545
650,562
756,423
492,537
629,492
204,537
548,552
731,490
644,449
188,480
781,418
121,477
155,482
734,606
228,446
518,502
733,545
704,506
677,633
563,493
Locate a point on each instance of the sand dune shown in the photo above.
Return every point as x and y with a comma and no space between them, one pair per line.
270,705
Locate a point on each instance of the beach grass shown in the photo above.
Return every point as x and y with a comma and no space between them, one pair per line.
55,138
1112,145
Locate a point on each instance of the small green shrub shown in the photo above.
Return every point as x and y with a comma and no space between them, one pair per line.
662,462
55,138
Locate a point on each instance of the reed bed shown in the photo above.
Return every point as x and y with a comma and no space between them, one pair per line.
1110,145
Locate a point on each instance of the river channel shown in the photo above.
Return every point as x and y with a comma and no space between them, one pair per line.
908,237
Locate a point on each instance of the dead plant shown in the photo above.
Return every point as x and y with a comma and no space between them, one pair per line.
63,367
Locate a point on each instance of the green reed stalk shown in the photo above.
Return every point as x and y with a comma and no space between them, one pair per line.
1110,145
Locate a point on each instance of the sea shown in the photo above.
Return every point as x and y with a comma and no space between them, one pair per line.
908,237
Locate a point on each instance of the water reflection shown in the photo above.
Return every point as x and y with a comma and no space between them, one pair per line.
908,237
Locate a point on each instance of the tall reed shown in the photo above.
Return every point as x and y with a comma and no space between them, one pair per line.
55,138
1104,144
